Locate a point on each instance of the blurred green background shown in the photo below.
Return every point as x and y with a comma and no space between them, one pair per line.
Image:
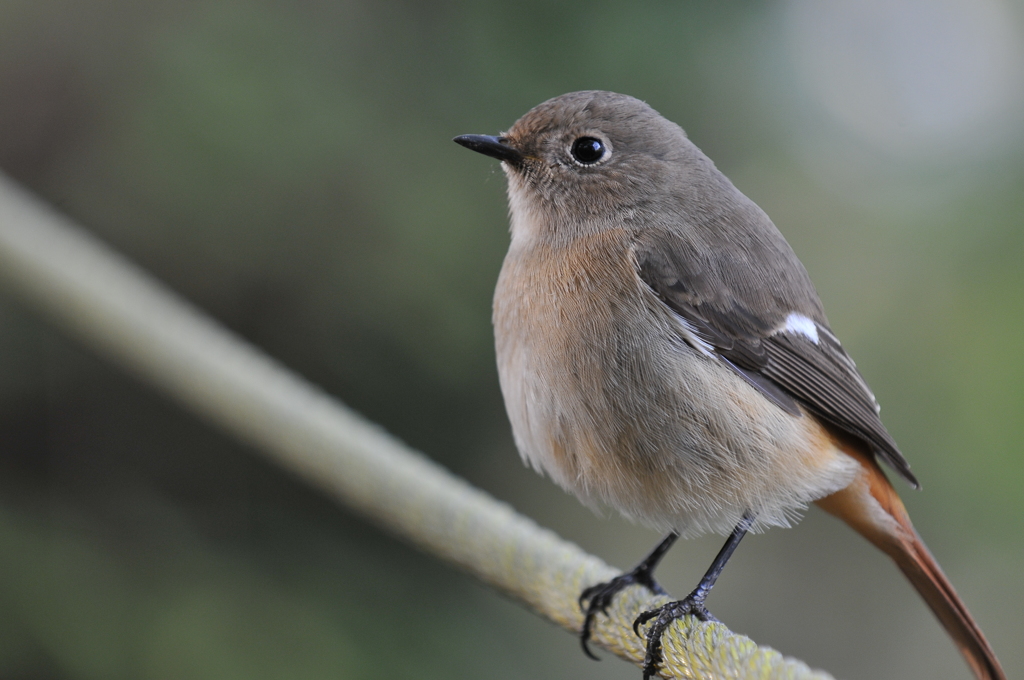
288,167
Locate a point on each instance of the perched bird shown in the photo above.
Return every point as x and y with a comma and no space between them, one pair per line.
662,350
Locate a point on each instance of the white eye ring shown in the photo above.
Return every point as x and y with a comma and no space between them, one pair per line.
589,150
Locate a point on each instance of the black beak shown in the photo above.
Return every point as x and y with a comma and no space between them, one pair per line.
495,147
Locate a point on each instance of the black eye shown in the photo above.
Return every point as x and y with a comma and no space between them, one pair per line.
588,150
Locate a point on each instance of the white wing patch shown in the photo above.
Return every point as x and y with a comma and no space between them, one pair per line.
801,325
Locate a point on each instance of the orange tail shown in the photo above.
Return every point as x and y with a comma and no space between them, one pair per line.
870,505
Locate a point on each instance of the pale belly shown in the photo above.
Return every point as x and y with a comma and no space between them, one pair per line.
607,399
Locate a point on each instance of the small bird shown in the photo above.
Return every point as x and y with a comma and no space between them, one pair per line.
662,350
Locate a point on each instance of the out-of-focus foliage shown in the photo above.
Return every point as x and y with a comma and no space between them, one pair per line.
288,167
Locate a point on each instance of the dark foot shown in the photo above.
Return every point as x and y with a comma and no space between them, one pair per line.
665,615
599,597
691,605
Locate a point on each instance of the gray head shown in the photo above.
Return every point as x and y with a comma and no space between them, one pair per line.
590,158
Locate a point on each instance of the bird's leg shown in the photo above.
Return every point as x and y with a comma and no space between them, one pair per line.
692,604
597,598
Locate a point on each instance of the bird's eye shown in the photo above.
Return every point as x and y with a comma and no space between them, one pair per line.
588,150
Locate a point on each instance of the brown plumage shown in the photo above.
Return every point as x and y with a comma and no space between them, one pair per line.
661,349
872,507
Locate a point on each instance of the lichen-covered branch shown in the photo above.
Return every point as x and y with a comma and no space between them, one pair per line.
111,305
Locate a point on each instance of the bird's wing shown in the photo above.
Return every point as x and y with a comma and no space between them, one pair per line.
761,317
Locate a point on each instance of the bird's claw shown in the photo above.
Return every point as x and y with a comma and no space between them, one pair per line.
663,617
597,598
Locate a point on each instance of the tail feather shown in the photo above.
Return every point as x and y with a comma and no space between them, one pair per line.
871,506
918,565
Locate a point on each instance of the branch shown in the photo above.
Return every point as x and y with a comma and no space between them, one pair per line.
110,304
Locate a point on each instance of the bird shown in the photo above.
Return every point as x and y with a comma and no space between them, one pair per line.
662,350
